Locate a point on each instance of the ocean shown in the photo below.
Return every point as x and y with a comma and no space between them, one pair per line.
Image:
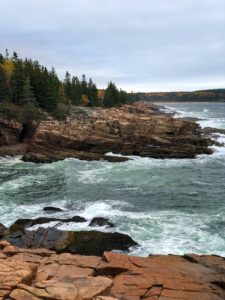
166,205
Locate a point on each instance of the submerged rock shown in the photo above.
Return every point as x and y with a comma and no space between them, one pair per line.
52,209
80,242
138,129
98,221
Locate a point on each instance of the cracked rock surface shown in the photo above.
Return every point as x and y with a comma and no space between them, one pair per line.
34,274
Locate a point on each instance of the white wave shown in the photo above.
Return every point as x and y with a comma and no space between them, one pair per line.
11,160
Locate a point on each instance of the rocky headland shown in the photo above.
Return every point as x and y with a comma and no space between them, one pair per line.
42,262
89,133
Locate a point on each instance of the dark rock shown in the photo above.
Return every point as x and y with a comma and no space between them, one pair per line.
210,130
52,209
101,222
80,242
76,219
21,224
2,230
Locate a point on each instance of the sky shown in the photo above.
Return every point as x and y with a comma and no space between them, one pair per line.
141,45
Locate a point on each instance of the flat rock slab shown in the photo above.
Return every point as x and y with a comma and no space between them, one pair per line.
35,274
84,287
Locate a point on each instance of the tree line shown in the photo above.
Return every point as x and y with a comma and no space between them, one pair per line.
25,82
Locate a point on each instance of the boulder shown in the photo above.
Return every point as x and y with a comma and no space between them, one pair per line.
80,242
99,221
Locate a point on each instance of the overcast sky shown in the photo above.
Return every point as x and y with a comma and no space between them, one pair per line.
141,45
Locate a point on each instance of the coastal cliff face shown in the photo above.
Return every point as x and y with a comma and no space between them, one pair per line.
11,138
10,132
137,129
34,274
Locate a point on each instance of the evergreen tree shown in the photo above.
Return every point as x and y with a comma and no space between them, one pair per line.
67,85
4,90
112,95
15,56
1,59
17,81
76,94
27,95
84,86
92,94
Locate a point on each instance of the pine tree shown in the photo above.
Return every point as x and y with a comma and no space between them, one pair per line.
67,85
1,59
84,86
76,94
27,95
17,81
4,90
112,95
92,94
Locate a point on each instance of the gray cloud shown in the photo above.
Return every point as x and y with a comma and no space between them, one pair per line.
141,45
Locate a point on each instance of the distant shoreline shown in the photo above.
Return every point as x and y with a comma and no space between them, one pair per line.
183,102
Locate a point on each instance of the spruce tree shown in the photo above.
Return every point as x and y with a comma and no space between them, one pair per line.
92,94
112,95
4,90
84,86
67,85
27,95
76,94
17,81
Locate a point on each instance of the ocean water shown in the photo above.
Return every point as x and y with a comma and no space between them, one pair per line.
167,206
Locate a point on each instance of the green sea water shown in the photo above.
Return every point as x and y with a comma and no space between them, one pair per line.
167,206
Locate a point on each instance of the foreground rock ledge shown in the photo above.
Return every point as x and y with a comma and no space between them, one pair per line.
34,274
137,129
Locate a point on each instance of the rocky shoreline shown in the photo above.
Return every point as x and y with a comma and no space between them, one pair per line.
40,262
90,133
47,263
35,274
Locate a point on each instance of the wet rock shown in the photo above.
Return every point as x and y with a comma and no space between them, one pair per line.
80,242
98,221
52,209
210,130
21,224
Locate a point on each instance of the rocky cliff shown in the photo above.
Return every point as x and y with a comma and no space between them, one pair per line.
138,129
35,274
10,132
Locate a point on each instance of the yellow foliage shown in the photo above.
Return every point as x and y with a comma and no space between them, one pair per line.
84,100
8,67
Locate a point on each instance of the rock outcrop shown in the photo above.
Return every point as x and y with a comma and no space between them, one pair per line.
80,242
11,138
36,274
138,129
10,132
